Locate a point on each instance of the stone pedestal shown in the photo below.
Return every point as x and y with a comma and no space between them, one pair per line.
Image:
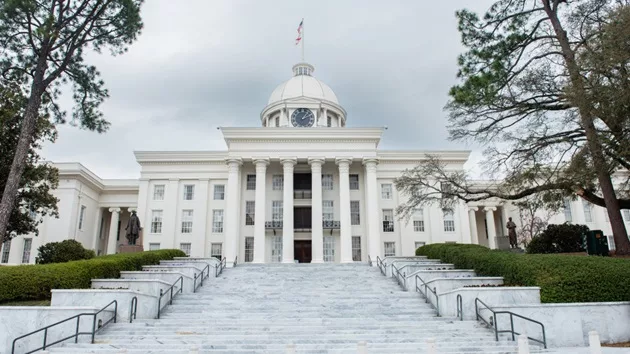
130,249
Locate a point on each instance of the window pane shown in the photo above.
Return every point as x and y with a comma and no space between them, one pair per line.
329,249
81,217
567,211
356,248
419,244
187,221
449,220
216,250
355,215
26,254
249,212
390,249
386,191
327,182
5,251
185,247
276,210
418,220
588,216
251,182
154,246
158,192
354,182
217,221
328,211
249,249
388,220
276,249
278,182
219,192
156,222
189,192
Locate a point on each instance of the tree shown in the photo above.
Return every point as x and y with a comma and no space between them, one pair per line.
544,88
43,44
34,199
534,216
64,251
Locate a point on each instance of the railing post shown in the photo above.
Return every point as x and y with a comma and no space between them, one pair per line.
523,344
194,282
437,301
594,343
45,335
512,325
362,348
496,326
171,302
115,310
160,303
181,285
76,338
93,328
431,346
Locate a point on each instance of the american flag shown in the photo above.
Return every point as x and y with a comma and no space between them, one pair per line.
299,30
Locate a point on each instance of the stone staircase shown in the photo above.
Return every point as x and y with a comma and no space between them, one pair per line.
320,308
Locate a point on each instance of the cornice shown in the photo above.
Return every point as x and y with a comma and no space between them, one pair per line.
180,157
302,135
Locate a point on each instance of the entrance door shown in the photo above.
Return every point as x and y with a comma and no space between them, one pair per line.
302,251
276,249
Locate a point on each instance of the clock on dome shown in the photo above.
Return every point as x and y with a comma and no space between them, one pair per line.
302,117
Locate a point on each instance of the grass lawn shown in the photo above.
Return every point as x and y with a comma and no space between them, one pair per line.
27,303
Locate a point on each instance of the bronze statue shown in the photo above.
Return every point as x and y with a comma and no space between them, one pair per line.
511,226
133,228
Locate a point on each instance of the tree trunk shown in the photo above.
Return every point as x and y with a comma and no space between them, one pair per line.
622,244
29,125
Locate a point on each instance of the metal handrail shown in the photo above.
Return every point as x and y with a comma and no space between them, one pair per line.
76,333
170,289
133,309
433,291
381,265
205,271
369,260
396,273
235,262
218,269
460,307
493,323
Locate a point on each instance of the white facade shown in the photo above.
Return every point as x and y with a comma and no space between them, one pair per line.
269,198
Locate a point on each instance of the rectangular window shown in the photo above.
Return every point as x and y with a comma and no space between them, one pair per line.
386,191
328,211
356,248
355,213
588,215
81,216
327,182
187,221
219,192
158,192
189,191
26,253
276,210
250,208
277,121
390,249
154,246
388,220
6,248
354,182
216,250
418,220
449,220
328,121
446,188
567,210
419,244
217,221
278,182
249,249
276,249
156,221
625,212
329,249
251,182
185,247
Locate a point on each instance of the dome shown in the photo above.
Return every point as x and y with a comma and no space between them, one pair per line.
302,84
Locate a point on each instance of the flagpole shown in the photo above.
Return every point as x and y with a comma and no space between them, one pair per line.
303,36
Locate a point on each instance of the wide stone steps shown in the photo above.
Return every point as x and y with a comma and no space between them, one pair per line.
259,309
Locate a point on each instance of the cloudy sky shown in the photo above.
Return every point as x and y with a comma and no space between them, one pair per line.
202,64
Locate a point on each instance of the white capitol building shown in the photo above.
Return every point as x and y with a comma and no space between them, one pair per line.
302,186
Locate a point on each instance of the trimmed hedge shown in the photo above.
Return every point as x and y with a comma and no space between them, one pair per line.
561,278
34,282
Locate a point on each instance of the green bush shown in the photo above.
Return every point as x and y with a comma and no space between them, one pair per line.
34,282
561,278
563,238
64,251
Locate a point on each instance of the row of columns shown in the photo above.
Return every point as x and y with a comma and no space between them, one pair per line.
492,231
233,203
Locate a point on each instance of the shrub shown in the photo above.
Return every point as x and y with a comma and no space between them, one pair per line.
34,282
563,238
64,251
561,278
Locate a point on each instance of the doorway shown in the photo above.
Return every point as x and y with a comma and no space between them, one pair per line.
302,251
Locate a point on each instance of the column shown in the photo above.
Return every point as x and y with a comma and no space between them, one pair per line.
113,228
374,231
317,238
492,231
287,205
97,229
200,219
260,203
472,220
344,209
231,213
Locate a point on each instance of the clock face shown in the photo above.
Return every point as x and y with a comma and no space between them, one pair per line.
302,117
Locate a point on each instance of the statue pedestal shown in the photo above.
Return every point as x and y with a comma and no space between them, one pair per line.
130,248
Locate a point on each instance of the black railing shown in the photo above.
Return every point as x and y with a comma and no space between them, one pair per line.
369,260
398,274
76,333
381,266
388,226
303,194
426,294
218,269
235,261
170,290
133,309
460,307
331,224
273,224
205,273
493,323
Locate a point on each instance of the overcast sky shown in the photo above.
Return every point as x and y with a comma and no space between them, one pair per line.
201,64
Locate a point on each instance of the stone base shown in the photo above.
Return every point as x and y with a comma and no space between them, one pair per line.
130,249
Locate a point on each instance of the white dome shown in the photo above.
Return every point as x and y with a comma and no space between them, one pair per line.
303,85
